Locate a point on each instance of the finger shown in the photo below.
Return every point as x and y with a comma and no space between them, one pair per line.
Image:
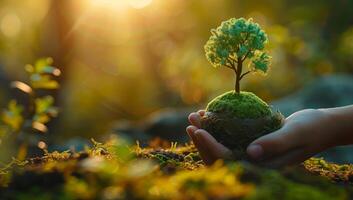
207,158
195,119
272,144
214,149
198,144
190,130
201,112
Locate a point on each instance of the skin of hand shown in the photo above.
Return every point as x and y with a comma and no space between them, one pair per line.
304,134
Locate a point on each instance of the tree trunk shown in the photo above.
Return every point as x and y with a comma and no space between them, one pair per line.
59,44
238,74
237,88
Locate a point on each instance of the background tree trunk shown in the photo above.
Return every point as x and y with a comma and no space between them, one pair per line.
58,42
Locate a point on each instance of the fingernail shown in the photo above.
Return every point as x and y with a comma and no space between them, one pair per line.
190,130
255,151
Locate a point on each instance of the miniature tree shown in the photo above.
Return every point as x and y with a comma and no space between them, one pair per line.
236,118
236,42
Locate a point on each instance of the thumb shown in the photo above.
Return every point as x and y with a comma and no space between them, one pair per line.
270,145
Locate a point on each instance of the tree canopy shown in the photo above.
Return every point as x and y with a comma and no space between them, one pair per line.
236,40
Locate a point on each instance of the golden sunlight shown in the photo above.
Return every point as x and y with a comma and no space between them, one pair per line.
138,4
108,4
118,4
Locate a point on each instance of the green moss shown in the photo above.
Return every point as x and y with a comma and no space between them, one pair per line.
237,119
161,174
331,171
276,186
245,105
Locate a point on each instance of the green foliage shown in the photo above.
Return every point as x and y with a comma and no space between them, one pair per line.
244,105
261,62
334,172
278,187
17,118
12,116
44,109
41,74
236,40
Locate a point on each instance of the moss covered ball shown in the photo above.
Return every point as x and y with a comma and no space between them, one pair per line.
237,119
244,105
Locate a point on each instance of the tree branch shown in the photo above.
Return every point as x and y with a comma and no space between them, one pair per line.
232,64
232,59
245,74
246,37
229,66
246,55
235,69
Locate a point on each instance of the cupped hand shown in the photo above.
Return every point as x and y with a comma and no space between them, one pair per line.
210,150
304,134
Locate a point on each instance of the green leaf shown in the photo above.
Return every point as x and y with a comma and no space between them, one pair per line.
51,70
261,66
242,51
4,130
12,116
46,84
43,104
41,118
41,64
44,109
261,62
41,74
43,82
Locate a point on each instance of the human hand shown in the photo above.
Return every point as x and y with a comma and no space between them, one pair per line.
304,134
210,150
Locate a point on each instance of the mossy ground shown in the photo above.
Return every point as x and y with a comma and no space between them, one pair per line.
116,171
244,105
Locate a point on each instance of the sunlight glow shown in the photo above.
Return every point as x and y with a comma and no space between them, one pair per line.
138,4
109,4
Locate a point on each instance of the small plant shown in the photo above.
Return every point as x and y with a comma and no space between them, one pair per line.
235,43
19,119
236,118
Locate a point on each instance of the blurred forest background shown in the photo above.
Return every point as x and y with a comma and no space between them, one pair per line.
125,59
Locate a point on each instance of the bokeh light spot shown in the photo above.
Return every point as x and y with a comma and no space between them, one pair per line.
10,25
42,145
56,72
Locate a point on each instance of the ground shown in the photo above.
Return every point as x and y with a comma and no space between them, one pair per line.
116,171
